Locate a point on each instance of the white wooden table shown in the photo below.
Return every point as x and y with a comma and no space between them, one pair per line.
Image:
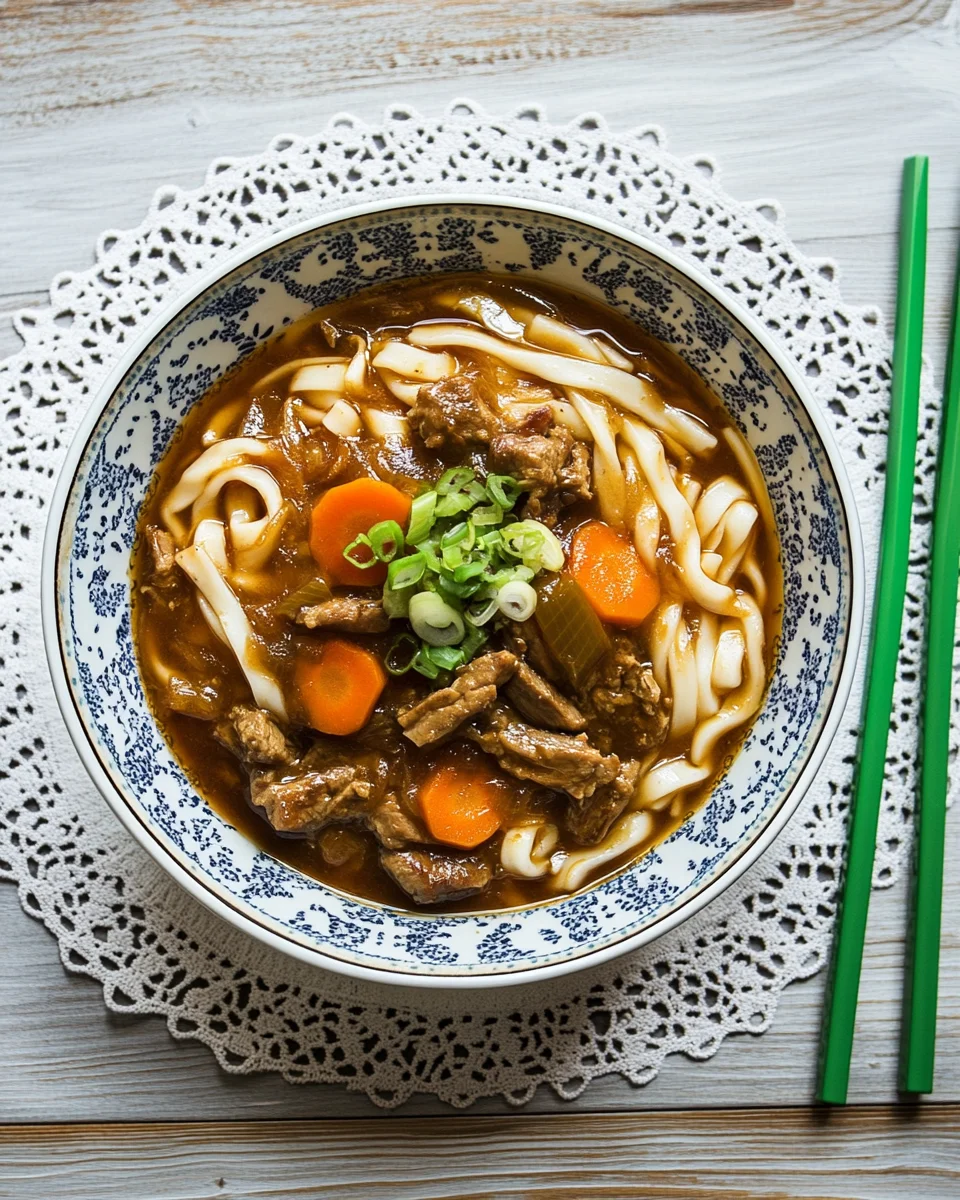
813,102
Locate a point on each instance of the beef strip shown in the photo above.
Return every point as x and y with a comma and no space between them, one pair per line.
555,760
392,825
431,876
301,798
589,820
553,467
348,613
473,690
254,736
452,414
624,691
540,702
163,550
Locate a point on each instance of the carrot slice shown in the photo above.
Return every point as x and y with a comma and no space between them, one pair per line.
458,803
611,573
339,686
344,512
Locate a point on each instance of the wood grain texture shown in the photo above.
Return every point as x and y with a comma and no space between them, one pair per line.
690,1155
814,103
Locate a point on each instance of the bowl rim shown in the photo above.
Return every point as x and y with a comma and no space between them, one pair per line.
236,915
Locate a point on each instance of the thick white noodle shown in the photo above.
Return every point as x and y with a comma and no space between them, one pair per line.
525,850
202,570
245,529
646,515
725,519
212,536
612,355
711,564
754,576
401,389
319,379
386,425
561,338
684,683
663,629
632,392
741,704
343,420
706,649
267,381
629,831
709,594
489,312
355,376
196,477
664,780
412,362
313,414
754,477
726,672
608,480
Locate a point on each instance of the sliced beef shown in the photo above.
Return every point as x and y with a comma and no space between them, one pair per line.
452,414
431,876
540,702
588,820
201,701
254,736
307,796
351,614
555,760
473,690
553,467
163,550
392,825
624,691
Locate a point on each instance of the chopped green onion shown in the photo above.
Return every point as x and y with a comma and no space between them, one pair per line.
455,503
517,600
537,546
509,574
404,572
396,601
422,516
425,665
503,490
480,611
463,535
448,658
361,540
454,480
472,642
469,570
386,539
429,552
454,591
434,620
488,514
402,654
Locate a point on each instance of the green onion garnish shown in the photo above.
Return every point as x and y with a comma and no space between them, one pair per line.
386,540
402,654
361,541
421,517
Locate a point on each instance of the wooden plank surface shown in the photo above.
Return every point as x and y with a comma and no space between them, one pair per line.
812,102
746,1155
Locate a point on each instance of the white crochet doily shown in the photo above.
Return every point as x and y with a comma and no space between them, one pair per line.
116,915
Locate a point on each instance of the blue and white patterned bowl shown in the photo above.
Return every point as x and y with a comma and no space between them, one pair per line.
86,588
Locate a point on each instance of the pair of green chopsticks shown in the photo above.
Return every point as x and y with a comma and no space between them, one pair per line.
923,953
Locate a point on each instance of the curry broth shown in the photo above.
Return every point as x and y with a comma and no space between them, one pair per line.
172,626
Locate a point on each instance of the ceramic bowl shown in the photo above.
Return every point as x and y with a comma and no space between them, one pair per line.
86,592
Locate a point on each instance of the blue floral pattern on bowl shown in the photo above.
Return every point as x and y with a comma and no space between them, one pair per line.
138,414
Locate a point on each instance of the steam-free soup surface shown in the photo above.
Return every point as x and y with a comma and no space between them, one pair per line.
529,678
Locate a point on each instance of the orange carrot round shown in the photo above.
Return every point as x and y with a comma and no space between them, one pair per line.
605,564
339,686
459,805
344,512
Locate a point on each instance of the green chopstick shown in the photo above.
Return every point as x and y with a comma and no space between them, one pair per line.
840,1008
919,1025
